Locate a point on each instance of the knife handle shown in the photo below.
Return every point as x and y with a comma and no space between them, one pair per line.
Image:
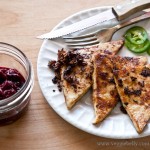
132,21
130,7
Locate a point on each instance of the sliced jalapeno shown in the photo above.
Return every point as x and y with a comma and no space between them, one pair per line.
148,49
138,48
136,35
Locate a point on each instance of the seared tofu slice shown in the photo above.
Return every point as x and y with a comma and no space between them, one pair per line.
132,78
105,95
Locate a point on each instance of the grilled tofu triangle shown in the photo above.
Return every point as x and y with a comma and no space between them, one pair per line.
132,78
105,95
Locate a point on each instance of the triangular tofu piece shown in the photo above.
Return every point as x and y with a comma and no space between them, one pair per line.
105,95
78,80
76,83
132,79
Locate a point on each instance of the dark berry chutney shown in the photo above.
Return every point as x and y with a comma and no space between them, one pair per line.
10,82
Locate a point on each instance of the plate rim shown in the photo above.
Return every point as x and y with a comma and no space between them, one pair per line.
58,113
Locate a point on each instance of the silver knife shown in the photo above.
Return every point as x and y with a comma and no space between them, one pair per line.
121,11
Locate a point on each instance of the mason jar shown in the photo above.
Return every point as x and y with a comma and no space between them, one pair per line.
13,107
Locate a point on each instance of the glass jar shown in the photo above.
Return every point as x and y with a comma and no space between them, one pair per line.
13,107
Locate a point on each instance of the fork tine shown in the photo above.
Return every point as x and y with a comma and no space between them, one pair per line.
81,45
80,37
69,41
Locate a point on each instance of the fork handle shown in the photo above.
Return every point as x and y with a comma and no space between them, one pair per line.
132,21
129,7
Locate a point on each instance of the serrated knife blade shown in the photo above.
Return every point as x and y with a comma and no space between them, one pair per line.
83,24
120,12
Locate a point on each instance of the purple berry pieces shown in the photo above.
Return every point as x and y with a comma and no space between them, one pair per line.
10,82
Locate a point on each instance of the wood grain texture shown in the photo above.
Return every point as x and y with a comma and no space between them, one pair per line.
41,128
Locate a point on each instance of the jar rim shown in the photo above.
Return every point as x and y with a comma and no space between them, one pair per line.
28,79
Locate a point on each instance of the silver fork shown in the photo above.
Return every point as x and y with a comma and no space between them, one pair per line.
100,36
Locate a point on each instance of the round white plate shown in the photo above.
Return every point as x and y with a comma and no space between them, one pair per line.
117,125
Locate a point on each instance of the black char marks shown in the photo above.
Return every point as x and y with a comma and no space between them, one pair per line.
145,72
132,92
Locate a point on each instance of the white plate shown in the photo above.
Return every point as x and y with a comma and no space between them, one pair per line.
117,125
